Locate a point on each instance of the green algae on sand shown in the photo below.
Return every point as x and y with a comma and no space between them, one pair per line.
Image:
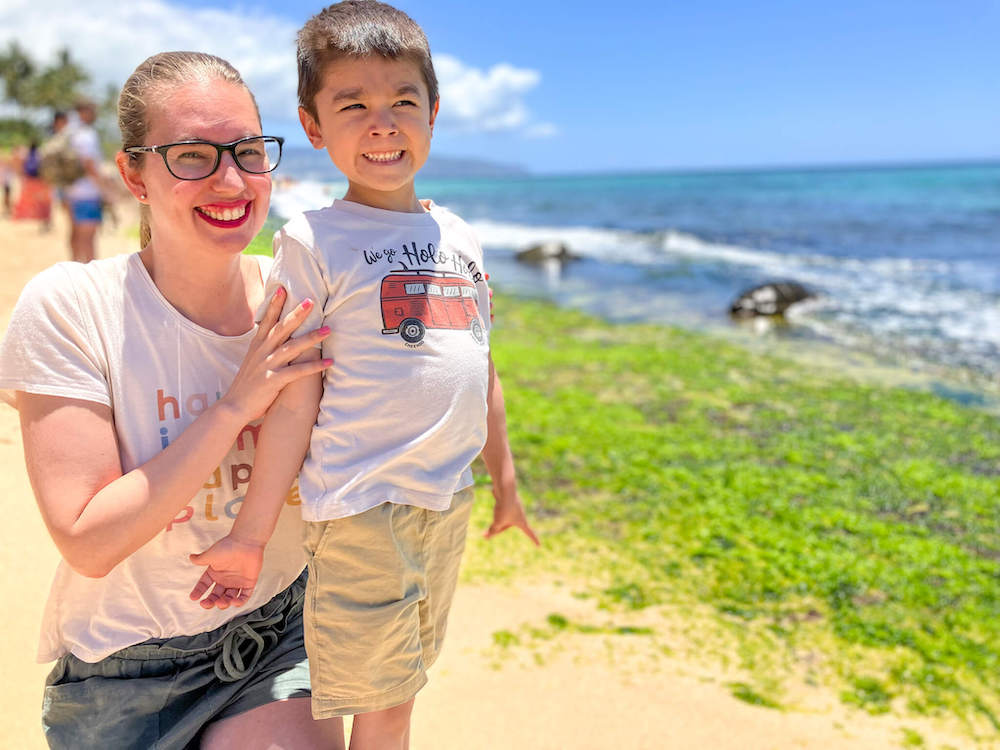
803,508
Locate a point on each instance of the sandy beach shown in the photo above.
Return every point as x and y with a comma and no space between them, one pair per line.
579,691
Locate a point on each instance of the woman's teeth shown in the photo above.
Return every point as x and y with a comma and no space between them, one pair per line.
226,214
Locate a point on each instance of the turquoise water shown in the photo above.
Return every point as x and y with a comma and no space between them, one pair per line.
904,261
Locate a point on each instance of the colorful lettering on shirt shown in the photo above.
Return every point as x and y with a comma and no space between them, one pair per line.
229,477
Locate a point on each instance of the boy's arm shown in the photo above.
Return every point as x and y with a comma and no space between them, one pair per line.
508,511
235,561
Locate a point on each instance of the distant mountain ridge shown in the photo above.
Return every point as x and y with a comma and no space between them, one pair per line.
305,163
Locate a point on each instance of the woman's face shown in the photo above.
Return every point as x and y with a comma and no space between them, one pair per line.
223,212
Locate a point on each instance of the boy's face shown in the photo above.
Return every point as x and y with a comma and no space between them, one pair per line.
375,120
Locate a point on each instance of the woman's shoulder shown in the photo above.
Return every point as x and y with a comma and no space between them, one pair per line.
70,281
55,342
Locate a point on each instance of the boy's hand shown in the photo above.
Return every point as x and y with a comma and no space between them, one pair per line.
233,568
509,513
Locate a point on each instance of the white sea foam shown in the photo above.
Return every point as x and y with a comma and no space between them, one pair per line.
609,245
682,244
919,305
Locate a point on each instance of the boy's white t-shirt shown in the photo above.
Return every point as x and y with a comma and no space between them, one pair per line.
403,411
102,332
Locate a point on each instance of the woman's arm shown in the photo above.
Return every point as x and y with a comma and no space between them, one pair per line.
98,516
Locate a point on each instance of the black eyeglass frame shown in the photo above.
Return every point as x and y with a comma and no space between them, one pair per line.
219,148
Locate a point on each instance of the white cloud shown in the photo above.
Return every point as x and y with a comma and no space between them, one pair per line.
110,37
491,100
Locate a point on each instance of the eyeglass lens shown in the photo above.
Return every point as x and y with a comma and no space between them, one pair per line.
194,161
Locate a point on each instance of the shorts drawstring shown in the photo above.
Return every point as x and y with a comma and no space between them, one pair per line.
243,646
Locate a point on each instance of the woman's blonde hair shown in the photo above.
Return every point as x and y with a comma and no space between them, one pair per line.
148,82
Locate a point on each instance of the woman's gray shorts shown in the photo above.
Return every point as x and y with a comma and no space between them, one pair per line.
162,693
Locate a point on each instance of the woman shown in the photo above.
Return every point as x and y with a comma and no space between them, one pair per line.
136,379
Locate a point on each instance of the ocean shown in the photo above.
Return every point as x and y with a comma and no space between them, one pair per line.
904,261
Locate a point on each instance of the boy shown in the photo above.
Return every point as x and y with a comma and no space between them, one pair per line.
409,402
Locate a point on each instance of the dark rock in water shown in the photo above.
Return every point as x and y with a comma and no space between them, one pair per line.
772,298
546,252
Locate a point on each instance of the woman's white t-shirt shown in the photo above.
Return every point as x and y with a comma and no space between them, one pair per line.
102,332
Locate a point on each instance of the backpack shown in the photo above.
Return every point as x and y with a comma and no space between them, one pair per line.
59,164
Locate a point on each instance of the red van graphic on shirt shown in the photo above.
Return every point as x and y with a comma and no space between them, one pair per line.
413,301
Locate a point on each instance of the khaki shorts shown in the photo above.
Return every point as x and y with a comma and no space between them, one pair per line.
380,587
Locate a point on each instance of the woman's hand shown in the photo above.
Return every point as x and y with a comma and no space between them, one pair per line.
233,569
267,366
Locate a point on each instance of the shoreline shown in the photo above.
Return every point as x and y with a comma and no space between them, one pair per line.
788,339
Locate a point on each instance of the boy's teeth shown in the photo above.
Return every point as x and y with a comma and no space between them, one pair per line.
384,156
227,214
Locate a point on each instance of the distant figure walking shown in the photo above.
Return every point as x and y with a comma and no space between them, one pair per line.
85,196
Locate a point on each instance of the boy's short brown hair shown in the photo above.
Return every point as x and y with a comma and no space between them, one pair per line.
358,28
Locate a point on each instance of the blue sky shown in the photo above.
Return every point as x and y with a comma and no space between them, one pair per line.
557,87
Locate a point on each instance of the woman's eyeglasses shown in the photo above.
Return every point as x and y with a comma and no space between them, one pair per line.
196,160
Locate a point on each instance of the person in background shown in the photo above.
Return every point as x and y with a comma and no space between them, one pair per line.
85,196
140,380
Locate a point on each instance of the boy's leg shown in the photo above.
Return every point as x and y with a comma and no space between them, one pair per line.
383,730
362,612
443,544
380,588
